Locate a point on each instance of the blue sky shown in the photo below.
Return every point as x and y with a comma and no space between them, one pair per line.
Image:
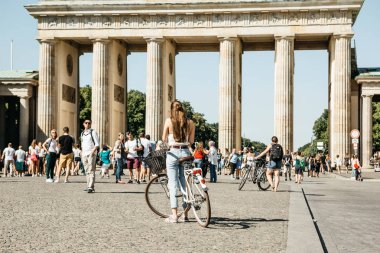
197,73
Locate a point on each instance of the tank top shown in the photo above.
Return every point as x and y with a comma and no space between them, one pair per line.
198,154
172,142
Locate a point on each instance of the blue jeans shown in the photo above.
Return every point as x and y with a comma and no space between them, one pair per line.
175,173
212,173
198,163
119,168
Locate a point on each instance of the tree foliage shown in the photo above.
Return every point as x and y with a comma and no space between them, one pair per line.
84,103
256,145
321,133
376,125
136,112
204,131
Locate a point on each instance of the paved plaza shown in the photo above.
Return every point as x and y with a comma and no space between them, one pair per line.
41,217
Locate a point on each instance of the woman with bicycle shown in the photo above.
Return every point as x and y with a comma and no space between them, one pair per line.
179,133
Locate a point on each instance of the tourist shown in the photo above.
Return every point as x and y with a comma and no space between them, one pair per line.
145,170
119,156
317,165
226,161
298,167
287,165
50,146
33,158
77,159
233,160
338,163
347,161
311,172
41,159
104,155
219,167
250,158
8,158
213,158
239,164
90,145
66,157
133,162
179,133
276,154
303,164
356,168
152,143
328,162
198,155
323,163
20,161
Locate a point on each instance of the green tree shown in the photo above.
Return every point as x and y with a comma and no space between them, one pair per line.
321,133
376,125
84,104
256,145
136,112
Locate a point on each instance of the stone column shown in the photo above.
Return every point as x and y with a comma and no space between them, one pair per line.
154,101
284,77
100,110
366,133
340,96
24,122
227,93
47,100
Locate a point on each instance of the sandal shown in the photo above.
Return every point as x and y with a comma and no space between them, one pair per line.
171,219
182,218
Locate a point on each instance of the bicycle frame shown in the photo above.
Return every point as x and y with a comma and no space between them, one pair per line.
192,173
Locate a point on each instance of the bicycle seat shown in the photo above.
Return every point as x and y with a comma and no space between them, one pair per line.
186,158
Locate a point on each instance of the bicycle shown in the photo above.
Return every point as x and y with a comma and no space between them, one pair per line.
256,172
194,196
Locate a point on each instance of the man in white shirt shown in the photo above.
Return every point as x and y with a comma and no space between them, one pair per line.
132,145
213,158
90,145
20,160
8,158
145,170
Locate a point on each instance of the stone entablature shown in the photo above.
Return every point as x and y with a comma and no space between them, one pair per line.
195,20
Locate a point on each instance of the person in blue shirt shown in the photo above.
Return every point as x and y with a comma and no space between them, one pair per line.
104,156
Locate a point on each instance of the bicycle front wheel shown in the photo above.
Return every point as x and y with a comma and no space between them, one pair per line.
244,178
263,182
201,204
157,195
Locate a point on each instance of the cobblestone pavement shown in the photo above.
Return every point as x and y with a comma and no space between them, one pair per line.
47,217
347,213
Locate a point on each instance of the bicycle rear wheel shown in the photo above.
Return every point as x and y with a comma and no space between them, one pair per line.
262,182
201,206
157,195
244,178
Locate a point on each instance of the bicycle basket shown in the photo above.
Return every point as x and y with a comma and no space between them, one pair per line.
156,161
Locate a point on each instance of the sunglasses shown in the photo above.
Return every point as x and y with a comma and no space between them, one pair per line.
87,122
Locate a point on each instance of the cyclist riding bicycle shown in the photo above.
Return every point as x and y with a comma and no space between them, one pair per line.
179,133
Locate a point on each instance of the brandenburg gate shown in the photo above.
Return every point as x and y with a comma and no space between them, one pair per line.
162,28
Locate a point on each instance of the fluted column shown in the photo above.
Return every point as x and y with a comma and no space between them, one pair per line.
341,96
227,93
284,78
47,100
24,121
154,102
100,111
366,130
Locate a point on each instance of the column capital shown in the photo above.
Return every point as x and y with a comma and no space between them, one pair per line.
154,39
284,37
48,41
367,95
343,35
228,38
101,40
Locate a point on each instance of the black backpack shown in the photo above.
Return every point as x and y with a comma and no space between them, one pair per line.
276,153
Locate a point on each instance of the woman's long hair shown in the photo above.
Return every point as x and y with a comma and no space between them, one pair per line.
179,121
